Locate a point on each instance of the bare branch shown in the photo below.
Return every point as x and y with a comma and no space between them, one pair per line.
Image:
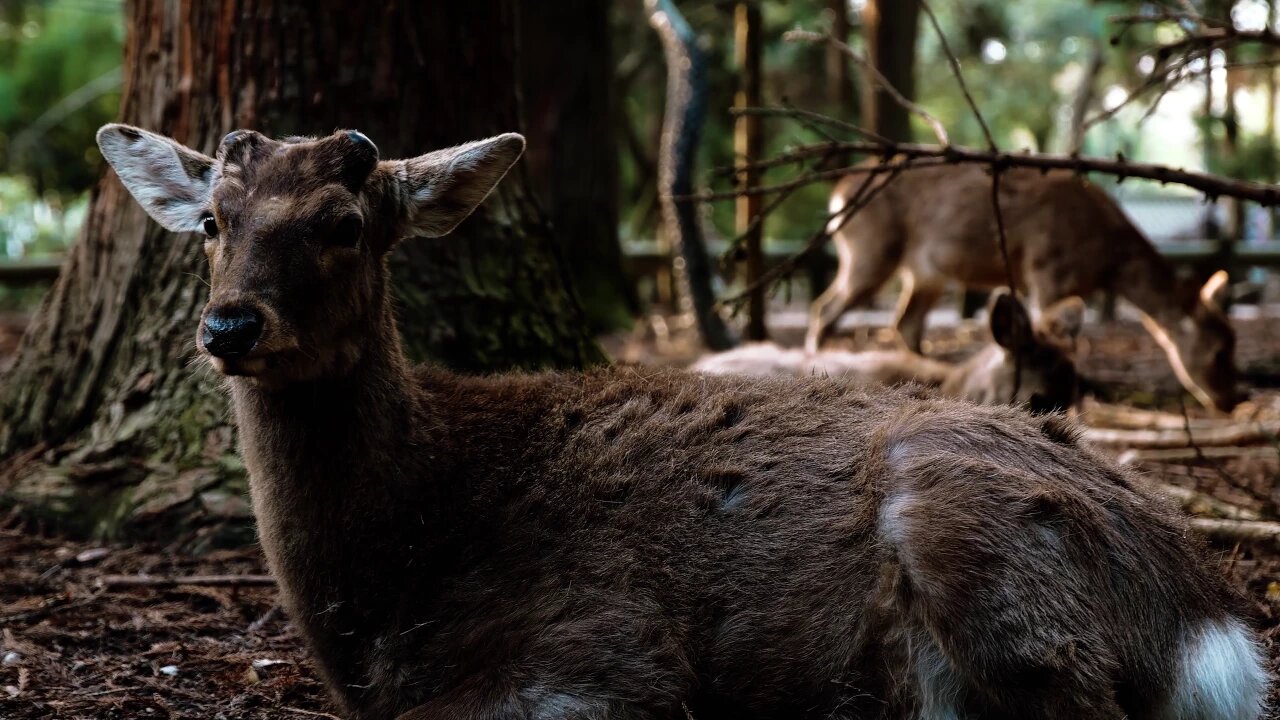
807,36
955,70
1212,185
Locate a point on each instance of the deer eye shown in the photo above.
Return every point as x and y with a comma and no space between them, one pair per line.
346,233
209,225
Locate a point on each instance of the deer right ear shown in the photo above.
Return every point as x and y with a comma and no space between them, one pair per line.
441,188
171,182
1010,323
1063,319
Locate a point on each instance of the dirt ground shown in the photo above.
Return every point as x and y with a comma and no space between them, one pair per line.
74,647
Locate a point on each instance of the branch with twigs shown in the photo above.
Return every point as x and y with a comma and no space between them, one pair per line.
1214,186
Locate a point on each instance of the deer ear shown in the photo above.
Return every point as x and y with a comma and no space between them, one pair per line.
1063,319
171,182
441,188
1010,323
1214,292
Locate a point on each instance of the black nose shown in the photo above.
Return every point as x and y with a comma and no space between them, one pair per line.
231,331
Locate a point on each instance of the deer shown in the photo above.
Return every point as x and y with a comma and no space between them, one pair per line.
629,542
1023,364
1065,236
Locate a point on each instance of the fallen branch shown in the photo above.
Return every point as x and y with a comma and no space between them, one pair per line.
1237,530
1232,434
160,581
1255,452
1121,416
1201,504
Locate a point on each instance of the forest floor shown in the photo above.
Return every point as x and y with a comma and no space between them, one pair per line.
73,644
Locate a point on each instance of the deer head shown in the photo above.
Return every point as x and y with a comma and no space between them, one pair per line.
1201,344
1030,363
297,232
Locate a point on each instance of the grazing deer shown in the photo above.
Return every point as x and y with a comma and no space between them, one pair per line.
1065,237
1023,365
632,543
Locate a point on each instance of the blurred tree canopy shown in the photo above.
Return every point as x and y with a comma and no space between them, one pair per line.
59,81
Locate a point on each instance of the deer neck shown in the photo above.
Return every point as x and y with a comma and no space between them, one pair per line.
327,448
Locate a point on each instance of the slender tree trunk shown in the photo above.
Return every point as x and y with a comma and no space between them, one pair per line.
567,75
748,142
685,114
890,28
108,421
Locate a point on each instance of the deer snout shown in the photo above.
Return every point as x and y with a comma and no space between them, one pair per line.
231,331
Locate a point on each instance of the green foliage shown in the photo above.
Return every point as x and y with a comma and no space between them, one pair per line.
59,81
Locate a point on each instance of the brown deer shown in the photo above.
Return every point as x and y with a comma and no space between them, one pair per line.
1065,237
629,543
1022,365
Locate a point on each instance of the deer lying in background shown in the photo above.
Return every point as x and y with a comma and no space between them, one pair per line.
653,544
1023,365
1065,237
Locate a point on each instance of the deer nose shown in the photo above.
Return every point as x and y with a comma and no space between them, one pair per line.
231,331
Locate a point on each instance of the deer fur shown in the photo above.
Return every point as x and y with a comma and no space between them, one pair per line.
628,543
1022,364
1065,237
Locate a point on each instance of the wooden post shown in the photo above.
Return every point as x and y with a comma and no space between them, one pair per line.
747,145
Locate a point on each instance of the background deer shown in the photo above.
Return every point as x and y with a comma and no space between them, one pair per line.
1065,237
646,544
1023,365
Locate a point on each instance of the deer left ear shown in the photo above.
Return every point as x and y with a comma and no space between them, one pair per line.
1214,292
440,189
1010,323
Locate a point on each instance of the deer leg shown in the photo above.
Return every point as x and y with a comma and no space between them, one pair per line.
858,277
914,304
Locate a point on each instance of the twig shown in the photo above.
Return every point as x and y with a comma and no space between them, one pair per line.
115,581
959,76
799,114
880,80
49,610
865,193
1211,185
1237,529
312,713
257,625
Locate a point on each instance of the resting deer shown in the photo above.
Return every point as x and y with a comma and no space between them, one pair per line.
1023,365
1065,237
631,543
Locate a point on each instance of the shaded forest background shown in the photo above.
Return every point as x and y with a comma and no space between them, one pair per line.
104,427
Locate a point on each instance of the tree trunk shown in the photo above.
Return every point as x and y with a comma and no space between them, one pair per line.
109,423
890,28
570,108
686,111
748,145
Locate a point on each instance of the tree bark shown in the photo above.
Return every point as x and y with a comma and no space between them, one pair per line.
567,75
685,113
890,28
109,423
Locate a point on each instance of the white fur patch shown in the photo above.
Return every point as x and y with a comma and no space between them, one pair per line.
834,206
1222,677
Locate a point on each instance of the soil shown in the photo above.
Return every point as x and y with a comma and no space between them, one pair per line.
73,648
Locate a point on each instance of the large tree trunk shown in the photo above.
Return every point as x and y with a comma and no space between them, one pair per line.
108,421
890,28
567,74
